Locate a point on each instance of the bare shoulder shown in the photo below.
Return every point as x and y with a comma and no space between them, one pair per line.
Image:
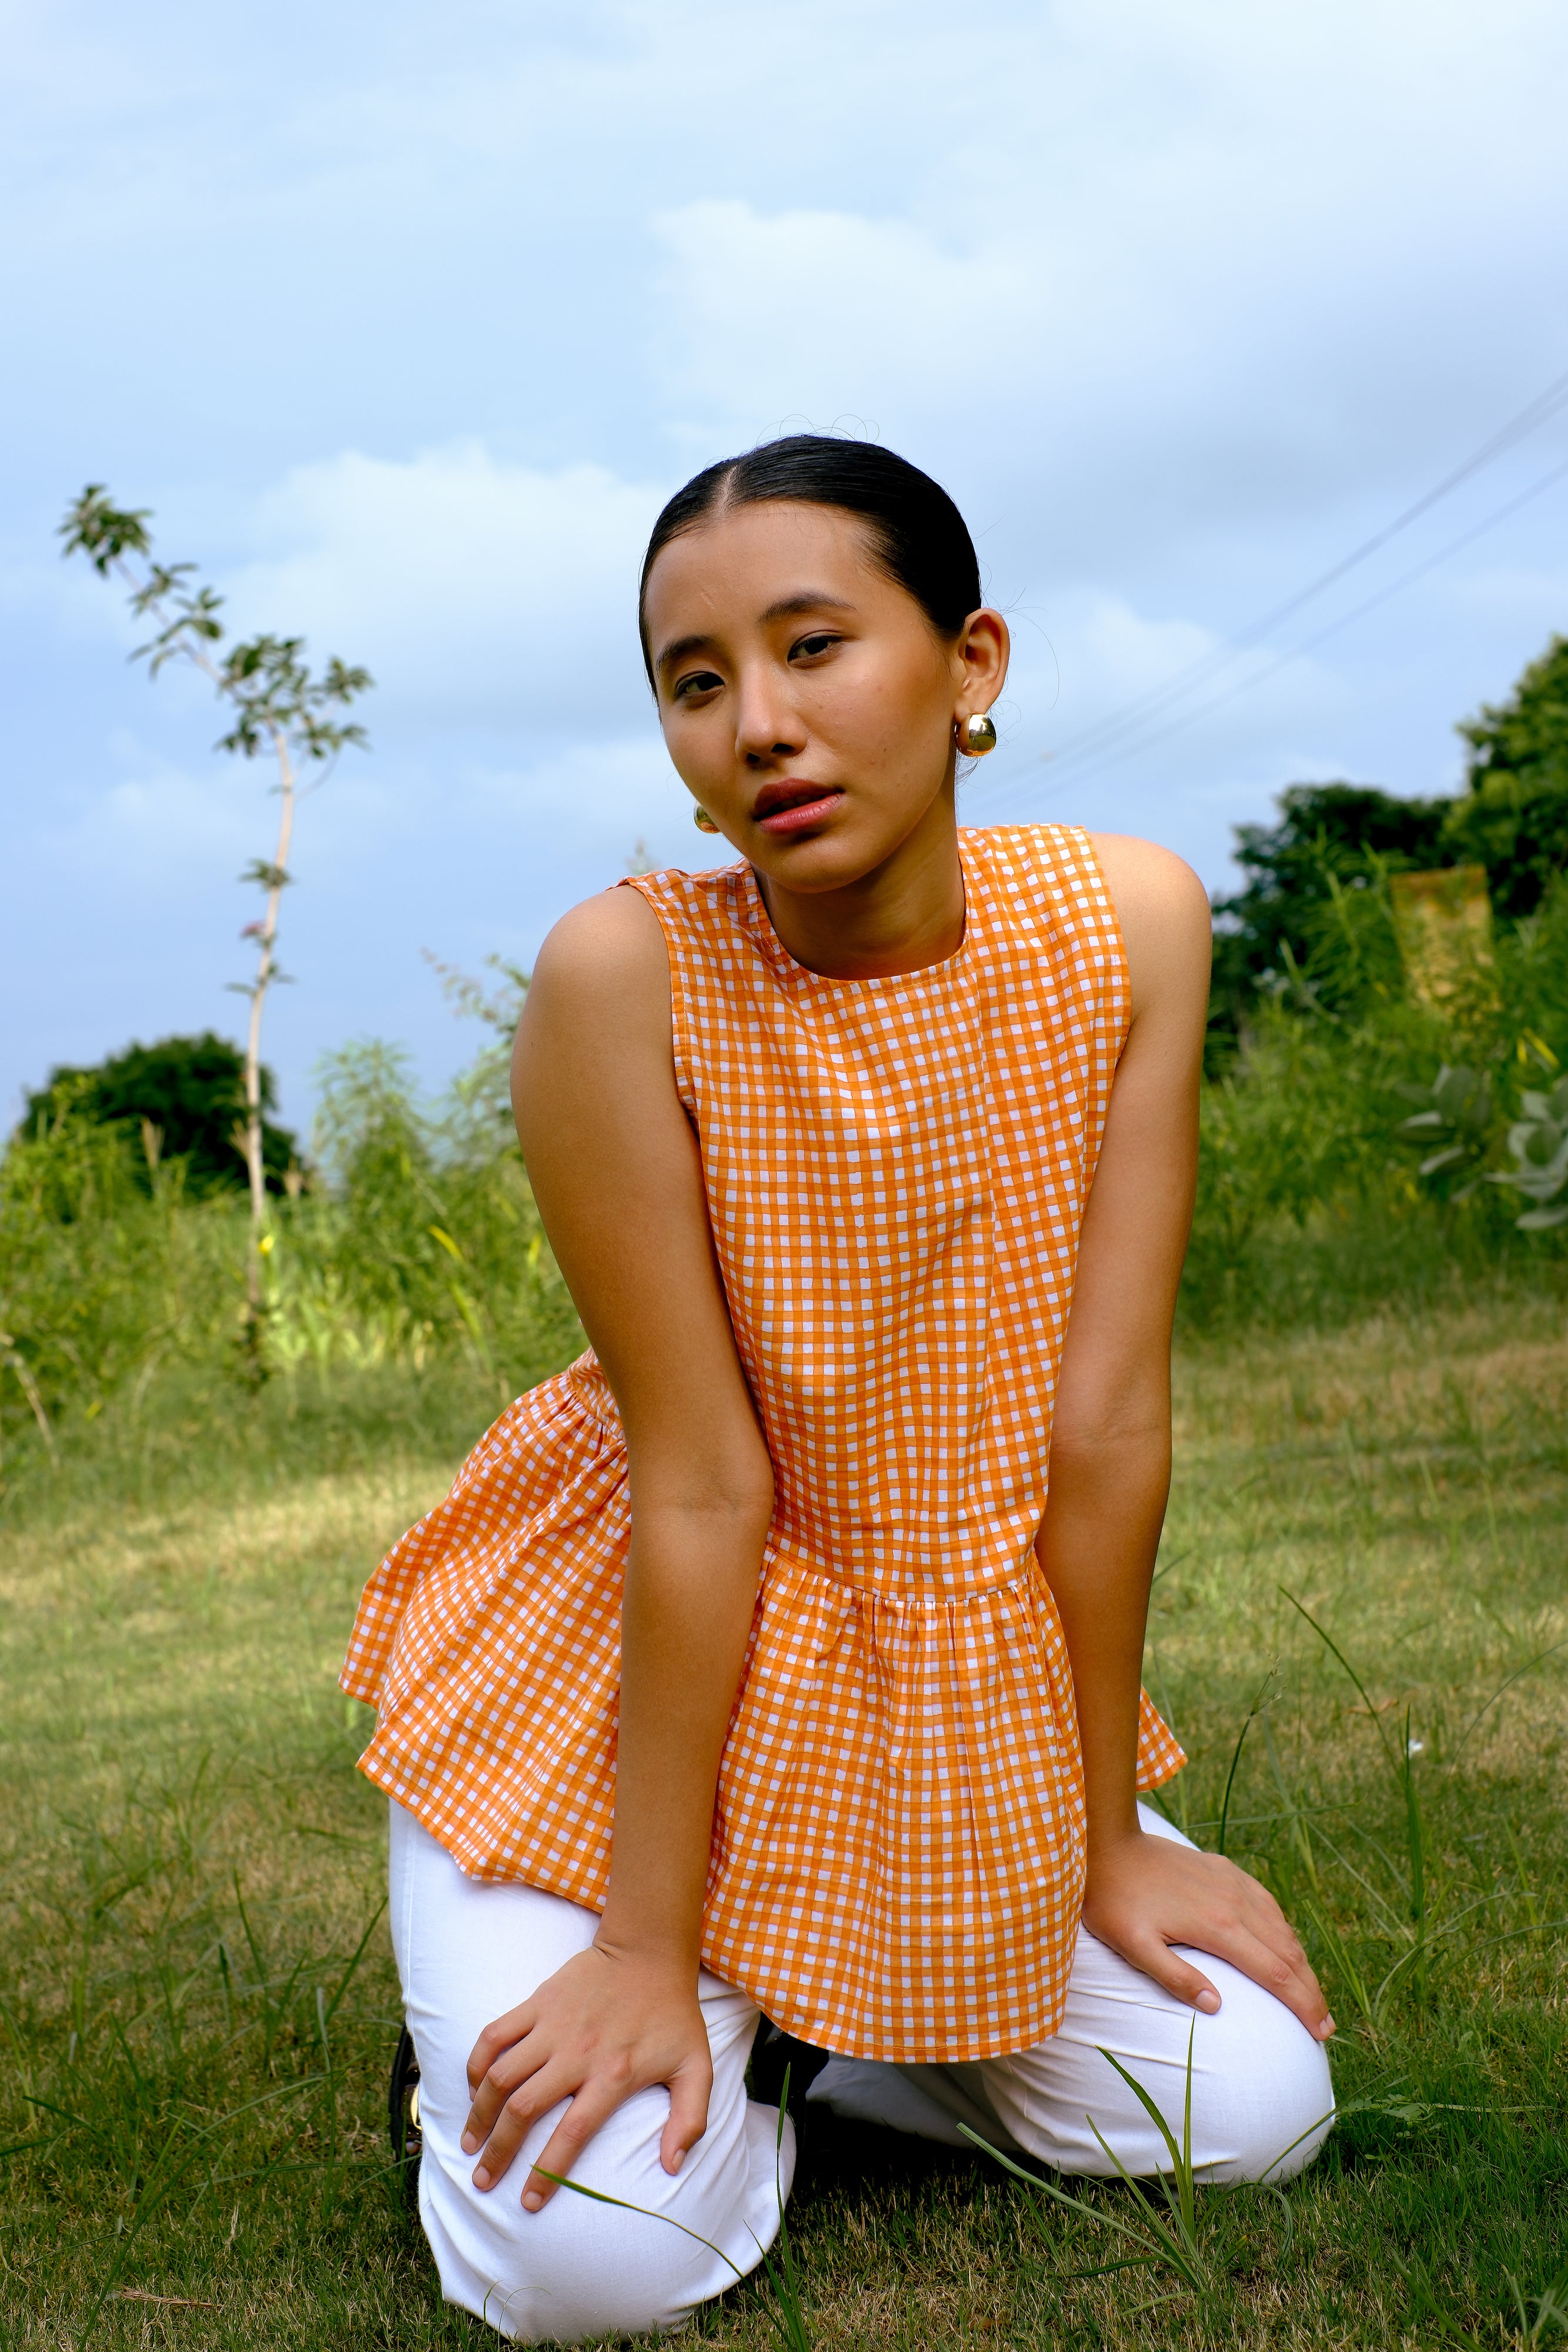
607,944
1164,911
1148,882
600,988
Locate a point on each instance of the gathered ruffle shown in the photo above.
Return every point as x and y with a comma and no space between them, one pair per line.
897,1863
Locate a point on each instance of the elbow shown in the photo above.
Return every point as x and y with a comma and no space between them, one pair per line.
1130,1435
732,1491
746,1496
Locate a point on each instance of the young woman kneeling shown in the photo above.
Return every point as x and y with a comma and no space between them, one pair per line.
782,1655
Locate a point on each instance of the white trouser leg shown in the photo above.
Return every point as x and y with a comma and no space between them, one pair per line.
466,1951
1261,2099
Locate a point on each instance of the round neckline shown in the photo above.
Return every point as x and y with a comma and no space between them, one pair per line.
762,928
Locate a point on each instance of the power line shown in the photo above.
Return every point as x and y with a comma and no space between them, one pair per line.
1111,755
1133,715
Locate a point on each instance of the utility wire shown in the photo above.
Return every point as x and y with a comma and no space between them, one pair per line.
1111,755
1144,707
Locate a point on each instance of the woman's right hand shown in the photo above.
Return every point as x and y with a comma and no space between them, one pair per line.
608,2024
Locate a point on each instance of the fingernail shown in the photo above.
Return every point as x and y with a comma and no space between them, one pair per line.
469,2142
1329,2027
532,2201
481,2178
1209,2002
680,2157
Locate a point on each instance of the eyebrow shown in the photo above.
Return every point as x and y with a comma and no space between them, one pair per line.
810,600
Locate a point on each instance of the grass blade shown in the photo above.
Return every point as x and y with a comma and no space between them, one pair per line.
1330,1643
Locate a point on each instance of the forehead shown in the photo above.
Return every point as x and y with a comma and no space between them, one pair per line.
746,558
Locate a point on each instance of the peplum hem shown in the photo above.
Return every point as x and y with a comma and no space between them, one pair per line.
897,1866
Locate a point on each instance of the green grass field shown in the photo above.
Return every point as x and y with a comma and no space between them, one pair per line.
199,2004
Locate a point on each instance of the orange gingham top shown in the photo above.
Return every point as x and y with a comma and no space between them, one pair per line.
895,1172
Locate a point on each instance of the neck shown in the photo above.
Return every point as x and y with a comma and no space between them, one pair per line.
905,914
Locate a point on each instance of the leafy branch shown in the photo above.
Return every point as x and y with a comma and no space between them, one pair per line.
279,708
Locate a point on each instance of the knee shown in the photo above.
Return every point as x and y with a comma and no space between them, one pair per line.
575,2272
584,2269
1270,2079
1262,2103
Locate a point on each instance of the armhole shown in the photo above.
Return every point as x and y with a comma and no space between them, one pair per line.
1077,847
680,1016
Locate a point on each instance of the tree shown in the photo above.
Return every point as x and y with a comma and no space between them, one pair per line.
184,1099
279,707
1513,820
1326,834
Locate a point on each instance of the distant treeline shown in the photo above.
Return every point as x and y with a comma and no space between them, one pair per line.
1511,818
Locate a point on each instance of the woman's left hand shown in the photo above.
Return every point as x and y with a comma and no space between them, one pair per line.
1145,1893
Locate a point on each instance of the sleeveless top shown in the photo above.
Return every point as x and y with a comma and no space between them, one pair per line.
895,1173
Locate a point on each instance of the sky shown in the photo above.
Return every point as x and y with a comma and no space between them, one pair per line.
404,323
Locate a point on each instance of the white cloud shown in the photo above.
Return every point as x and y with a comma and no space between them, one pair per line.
477,592
160,832
773,316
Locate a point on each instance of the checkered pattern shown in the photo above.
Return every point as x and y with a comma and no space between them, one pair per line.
895,1172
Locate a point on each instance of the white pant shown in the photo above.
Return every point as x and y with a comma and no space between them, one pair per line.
467,1950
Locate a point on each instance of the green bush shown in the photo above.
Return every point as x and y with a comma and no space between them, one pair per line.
1341,1167
1331,839
1513,820
182,1098
416,1243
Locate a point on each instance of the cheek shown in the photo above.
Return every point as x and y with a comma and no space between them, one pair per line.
886,715
695,750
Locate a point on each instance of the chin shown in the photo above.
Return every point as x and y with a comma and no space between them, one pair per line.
817,865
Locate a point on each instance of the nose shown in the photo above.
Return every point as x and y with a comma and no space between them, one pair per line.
767,729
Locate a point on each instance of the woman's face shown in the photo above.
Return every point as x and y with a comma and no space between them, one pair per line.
807,702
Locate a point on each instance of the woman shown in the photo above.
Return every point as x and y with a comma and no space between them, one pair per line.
749,1666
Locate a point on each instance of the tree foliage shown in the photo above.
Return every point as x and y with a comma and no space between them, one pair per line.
1513,819
1336,838
179,1098
1328,837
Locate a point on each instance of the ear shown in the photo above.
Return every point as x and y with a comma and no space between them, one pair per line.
980,658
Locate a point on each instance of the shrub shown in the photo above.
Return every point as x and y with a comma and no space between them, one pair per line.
1341,1167
182,1098
417,1242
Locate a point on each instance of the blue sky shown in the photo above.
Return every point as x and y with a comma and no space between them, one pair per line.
404,322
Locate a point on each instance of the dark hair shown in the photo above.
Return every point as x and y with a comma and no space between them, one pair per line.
917,535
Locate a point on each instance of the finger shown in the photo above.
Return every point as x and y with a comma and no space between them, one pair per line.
587,2113
1176,1974
497,2036
1315,2015
1261,1915
690,2092
1261,1921
542,2091
506,2077
1293,1985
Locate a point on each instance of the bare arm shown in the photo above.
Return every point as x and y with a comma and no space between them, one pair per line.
615,1171
1110,1456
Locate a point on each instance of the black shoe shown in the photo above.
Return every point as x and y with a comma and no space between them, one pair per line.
403,2112
776,2053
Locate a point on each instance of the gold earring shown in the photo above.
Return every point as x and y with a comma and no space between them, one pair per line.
702,822
977,736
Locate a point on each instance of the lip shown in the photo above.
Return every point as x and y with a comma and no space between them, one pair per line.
794,804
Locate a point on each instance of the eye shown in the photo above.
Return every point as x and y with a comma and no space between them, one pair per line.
699,681
820,641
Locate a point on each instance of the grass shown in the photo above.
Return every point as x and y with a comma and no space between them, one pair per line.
199,2005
